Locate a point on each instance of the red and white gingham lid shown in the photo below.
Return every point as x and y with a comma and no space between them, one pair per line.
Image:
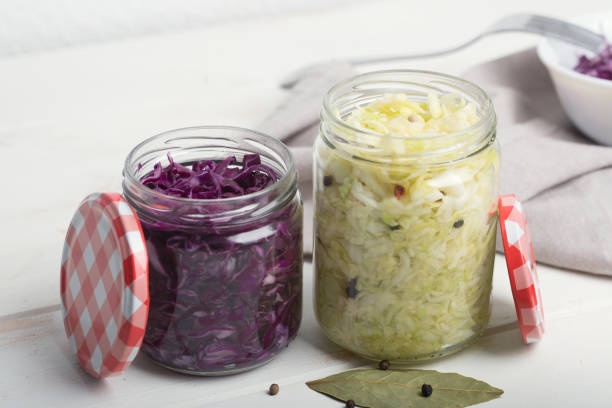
104,284
521,268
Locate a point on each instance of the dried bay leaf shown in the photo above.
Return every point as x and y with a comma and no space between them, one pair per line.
402,388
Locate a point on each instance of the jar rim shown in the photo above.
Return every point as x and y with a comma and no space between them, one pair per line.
358,79
284,181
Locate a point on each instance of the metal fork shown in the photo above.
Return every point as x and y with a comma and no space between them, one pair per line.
531,23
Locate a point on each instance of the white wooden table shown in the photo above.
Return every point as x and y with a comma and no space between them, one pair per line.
69,117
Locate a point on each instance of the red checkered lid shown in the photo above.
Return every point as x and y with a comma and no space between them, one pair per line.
104,284
521,268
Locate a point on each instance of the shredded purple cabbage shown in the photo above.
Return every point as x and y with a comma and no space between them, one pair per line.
209,179
221,298
599,66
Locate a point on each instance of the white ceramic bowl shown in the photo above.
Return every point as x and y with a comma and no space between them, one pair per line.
586,100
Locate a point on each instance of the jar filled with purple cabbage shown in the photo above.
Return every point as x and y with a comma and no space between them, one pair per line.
222,219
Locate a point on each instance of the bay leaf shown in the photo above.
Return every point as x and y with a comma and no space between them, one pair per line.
402,388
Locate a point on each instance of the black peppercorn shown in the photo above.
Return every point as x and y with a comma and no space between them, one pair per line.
384,365
426,390
351,289
274,388
328,180
458,224
350,404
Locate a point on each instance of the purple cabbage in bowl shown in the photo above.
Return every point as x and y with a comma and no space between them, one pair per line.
599,66
222,298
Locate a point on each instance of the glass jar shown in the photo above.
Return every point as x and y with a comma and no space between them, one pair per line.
404,237
225,275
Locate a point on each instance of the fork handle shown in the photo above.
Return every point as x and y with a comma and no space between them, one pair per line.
432,54
530,23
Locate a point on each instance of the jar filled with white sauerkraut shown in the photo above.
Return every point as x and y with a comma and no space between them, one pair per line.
406,175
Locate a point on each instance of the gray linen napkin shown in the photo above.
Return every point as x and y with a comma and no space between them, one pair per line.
563,179
296,121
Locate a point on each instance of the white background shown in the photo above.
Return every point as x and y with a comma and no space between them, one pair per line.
28,26
69,115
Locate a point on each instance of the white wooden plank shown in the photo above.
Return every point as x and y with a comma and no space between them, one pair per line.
36,356
568,369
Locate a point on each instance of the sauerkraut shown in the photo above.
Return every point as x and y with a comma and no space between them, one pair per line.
404,248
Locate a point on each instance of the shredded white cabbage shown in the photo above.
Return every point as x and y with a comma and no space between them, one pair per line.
422,260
